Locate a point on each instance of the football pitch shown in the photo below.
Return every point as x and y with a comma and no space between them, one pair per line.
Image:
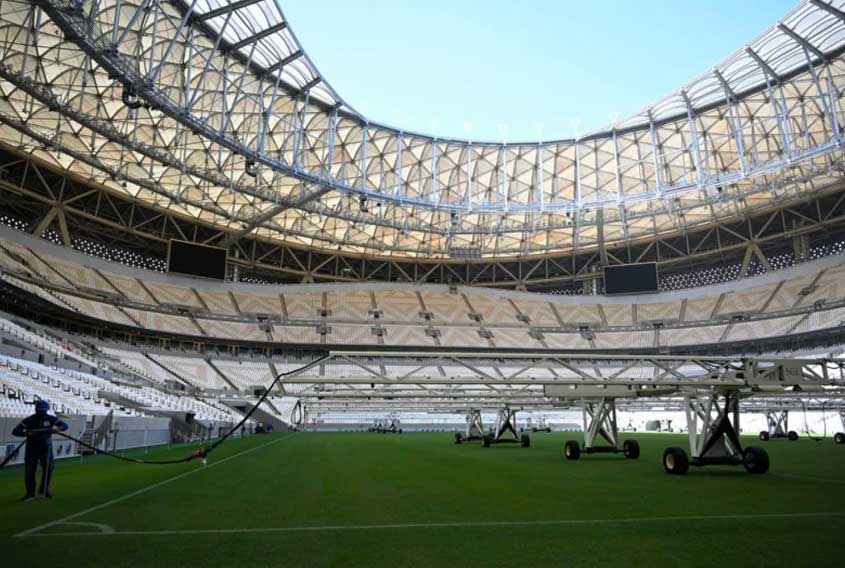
366,499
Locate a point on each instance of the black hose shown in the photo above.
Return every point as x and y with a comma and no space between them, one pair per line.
9,457
261,399
99,451
807,425
199,453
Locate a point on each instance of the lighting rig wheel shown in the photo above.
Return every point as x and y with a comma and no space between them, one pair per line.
571,450
792,435
755,459
631,449
458,438
839,438
675,461
764,436
485,441
525,440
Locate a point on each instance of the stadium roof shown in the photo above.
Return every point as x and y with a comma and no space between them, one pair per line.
213,109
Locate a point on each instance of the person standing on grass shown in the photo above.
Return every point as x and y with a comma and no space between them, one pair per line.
38,430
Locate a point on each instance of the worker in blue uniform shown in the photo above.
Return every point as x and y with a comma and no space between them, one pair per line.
38,430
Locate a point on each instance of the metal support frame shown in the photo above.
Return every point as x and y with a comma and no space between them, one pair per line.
505,429
32,188
599,417
474,426
777,424
713,428
99,42
389,425
599,420
539,426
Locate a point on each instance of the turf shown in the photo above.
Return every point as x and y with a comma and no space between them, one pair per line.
419,500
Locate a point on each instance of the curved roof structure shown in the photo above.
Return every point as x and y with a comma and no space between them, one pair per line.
212,109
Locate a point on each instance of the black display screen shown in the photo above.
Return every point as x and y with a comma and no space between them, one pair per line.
630,278
196,260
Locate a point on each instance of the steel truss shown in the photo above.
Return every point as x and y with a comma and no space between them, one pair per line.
758,403
599,419
474,427
295,160
505,430
539,426
498,380
389,425
713,427
44,196
505,427
777,426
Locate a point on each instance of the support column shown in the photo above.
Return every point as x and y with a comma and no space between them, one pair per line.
474,426
599,420
713,426
505,425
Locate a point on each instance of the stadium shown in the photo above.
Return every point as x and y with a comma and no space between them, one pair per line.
267,329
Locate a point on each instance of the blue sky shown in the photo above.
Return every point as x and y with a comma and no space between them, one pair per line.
511,71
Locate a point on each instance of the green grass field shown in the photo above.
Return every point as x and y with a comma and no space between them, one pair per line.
419,500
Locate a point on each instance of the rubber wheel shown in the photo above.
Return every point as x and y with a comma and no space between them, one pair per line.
571,450
839,438
525,440
631,449
764,436
792,435
485,441
755,459
458,438
675,461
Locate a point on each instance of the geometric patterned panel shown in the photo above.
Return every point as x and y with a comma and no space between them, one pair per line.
211,109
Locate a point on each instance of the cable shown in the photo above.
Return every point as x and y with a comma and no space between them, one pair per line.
198,453
261,399
807,426
9,457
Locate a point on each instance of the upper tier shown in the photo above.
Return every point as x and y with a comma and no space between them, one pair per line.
782,304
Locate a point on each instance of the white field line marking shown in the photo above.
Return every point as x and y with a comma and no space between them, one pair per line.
459,524
143,490
808,477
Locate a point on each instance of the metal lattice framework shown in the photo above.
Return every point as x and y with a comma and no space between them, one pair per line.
213,110
459,382
43,196
452,381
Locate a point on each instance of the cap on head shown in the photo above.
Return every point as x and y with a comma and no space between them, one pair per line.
42,406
